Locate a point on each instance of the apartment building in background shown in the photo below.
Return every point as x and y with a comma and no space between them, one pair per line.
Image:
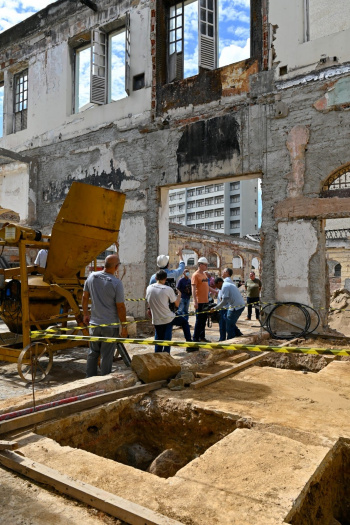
226,207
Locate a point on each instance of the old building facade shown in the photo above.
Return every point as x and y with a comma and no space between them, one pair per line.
280,115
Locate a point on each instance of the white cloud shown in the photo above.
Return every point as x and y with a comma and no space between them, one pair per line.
234,53
14,11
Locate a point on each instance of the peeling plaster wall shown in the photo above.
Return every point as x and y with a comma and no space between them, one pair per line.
14,188
292,264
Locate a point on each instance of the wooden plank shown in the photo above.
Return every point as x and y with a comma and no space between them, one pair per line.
100,499
77,406
227,371
8,445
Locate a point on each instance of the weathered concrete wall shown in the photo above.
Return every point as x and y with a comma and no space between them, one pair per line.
293,134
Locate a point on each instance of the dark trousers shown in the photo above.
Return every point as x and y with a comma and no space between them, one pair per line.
163,332
201,319
250,302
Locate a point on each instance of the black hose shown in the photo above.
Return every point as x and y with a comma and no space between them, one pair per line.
269,315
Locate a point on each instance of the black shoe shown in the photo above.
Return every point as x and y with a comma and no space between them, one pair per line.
192,349
238,334
204,340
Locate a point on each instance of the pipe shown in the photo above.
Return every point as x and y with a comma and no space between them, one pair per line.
17,413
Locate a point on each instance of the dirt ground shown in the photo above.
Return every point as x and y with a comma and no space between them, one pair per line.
288,422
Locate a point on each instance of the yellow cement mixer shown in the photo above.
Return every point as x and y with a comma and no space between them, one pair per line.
32,297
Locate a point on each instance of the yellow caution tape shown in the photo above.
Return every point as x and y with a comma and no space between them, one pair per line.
207,346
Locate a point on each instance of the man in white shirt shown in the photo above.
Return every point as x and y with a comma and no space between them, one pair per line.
158,296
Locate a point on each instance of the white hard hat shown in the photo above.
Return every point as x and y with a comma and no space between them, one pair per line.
162,261
202,260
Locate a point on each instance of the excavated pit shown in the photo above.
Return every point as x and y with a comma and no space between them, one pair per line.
155,436
327,498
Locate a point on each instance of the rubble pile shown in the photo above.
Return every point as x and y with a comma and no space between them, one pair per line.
339,314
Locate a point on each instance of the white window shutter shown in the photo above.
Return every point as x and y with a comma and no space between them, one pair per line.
127,54
98,71
207,21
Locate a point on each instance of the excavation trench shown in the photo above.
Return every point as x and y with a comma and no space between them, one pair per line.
326,500
156,436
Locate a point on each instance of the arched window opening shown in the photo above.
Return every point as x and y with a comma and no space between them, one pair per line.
190,257
337,270
237,262
213,260
338,183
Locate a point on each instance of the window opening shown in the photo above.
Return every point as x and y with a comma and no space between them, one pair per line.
337,270
119,46
237,262
338,184
194,27
21,100
82,82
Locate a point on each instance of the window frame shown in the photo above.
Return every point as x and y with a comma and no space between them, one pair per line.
20,114
100,47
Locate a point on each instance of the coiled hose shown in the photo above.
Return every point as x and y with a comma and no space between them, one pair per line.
289,320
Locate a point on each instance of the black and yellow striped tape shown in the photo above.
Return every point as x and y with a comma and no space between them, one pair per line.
206,346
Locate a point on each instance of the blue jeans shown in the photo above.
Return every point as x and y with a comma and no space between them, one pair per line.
164,332
183,307
231,320
222,324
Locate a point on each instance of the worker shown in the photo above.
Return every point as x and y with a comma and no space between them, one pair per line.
231,299
41,258
107,308
172,275
158,296
253,287
200,292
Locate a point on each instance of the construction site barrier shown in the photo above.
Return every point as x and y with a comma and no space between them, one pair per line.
206,346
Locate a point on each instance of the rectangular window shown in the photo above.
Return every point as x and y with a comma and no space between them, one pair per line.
234,225
219,187
235,198
209,213
193,29
118,51
209,202
190,193
234,186
209,189
200,203
102,67
218,225
218,200
191,216
21,100
1,108
199,191
218,213
235,211
200,215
